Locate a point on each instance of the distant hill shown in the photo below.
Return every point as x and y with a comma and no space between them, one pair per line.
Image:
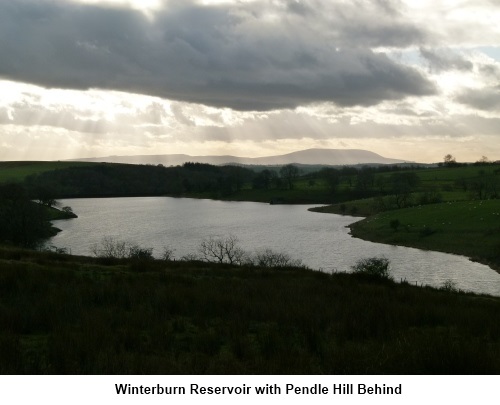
331,157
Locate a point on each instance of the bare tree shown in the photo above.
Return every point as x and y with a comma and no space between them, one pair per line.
110,247
167,254
222,250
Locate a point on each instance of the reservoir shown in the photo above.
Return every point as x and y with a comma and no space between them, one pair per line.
321,241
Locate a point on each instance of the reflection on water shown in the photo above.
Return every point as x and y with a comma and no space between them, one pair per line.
321,241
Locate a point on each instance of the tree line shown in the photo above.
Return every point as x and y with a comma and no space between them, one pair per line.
23,222
336,185
108,180
23,207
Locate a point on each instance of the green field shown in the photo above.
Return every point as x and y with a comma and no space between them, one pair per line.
302,193
470,228
356,208
18,171
447,182
73,315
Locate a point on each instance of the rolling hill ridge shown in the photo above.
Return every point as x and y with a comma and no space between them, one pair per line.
331,157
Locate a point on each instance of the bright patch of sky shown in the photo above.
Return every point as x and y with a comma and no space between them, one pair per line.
492,51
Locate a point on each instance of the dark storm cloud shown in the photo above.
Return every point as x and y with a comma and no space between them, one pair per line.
249,56
375,23
443,60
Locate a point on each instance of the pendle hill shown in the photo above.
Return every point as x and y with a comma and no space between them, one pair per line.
331,157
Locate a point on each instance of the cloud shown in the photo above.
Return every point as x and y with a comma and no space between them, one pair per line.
154,113
490,70
246,56
487,99
441,60
33,111
4,116
180,116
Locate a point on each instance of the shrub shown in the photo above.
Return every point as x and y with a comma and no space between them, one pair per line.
395,224
68,210
55,249
139,253
430,197
190,257
373,266
111,248
343,208
426,231
270,258
168,254
450,286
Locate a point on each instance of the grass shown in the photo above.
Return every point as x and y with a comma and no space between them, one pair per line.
445,181
362,208
302,193
450,175
18,171
74,315
294,196
370,206
470,228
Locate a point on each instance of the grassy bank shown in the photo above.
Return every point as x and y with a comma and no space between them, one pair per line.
70,315
470,228
17,171
355,208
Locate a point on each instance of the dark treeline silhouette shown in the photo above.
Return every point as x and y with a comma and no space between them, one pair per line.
23,222
286,184
106,180
103,180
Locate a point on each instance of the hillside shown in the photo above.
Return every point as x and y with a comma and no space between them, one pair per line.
76,315
17,171
331,157
470,228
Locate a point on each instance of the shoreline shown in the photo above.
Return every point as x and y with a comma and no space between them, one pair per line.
354,229
356,233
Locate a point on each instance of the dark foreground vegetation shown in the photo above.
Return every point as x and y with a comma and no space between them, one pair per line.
62,314
25,219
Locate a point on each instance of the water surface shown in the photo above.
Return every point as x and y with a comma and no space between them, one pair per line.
321,241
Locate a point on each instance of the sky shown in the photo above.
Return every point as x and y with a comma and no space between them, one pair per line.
408,79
